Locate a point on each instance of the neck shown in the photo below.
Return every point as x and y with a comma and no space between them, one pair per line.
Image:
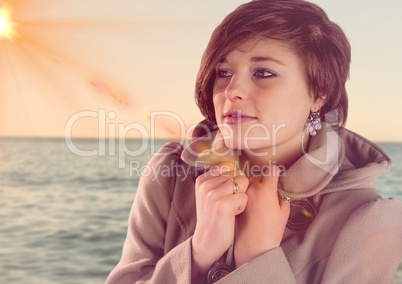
283,156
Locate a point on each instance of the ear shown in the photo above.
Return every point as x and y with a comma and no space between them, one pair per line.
318,103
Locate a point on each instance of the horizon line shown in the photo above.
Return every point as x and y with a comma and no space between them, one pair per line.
136,138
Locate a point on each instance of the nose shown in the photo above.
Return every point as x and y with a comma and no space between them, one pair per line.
236,90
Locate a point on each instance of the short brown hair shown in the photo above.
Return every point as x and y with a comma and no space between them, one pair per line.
320,43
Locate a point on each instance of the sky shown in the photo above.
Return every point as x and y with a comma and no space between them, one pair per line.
119,68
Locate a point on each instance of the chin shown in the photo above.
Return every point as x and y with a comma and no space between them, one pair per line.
233,144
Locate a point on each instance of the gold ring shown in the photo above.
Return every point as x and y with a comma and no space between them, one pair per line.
285,198
236,186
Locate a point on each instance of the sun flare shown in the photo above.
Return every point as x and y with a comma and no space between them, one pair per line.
7,25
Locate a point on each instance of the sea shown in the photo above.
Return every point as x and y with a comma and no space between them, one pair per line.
64,205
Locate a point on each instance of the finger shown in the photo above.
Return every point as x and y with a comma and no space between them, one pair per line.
214,173
233,204
229,186
216,185
239,184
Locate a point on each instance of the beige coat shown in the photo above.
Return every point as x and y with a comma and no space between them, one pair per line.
352,235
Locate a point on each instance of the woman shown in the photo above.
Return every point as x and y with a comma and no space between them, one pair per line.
279,192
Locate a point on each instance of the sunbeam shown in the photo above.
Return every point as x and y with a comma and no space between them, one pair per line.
7,25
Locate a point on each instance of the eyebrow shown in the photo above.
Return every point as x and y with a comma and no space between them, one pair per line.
265,58
257,59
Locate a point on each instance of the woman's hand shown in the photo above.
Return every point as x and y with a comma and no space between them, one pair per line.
261,226
217,207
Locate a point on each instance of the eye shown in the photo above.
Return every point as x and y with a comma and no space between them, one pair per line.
223,73
263,73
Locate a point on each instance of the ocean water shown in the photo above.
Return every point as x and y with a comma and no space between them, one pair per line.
64,216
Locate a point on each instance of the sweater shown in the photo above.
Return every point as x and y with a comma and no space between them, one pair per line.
349,234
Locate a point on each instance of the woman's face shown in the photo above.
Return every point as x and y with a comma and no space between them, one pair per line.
261,97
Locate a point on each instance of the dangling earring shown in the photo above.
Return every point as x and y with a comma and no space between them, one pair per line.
313,123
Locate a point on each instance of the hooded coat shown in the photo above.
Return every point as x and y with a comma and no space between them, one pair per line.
339,230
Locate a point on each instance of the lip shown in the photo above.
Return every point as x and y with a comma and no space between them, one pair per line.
237,117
